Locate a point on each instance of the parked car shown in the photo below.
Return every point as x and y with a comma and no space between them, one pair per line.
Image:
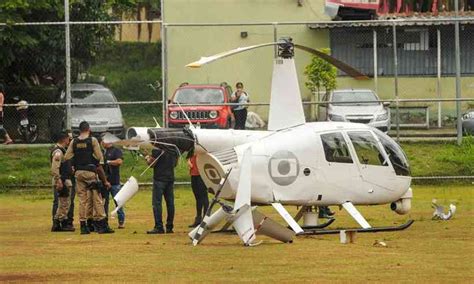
365,108
194,96
468,122
101,118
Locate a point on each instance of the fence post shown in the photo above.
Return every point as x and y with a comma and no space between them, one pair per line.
458,73
275,39
376,68
68,66
395,72
164,72
438,83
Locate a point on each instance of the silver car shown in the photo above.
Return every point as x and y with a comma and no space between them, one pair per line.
101,118
364,108
468,122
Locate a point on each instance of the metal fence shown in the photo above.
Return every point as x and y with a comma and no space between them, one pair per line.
142,68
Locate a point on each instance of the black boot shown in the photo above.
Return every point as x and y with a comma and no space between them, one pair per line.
66,227
91,225
70,223
104,227
84,228
197,222
56,226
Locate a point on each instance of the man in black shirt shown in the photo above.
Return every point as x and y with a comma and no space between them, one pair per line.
113,160
163,163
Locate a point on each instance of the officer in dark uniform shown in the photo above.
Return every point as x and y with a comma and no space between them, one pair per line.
88,160
62,186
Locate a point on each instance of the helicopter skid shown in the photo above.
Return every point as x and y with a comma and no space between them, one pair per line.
309,232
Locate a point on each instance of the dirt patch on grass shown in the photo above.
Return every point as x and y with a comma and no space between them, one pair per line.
22,277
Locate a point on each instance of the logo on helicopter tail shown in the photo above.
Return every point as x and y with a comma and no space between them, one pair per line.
212,174
283,168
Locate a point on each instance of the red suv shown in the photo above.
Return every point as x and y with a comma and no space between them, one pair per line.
195,97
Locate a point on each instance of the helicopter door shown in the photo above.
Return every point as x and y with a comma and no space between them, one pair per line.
339,168
373,165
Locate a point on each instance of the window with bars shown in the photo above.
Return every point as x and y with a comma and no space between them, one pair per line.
416,49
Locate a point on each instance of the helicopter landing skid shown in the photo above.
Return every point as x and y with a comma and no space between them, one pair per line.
319,226
309,232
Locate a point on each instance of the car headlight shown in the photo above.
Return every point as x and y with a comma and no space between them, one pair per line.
213,114
383,116
335,117
173,115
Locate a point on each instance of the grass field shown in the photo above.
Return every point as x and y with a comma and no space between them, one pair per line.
31,166
429,251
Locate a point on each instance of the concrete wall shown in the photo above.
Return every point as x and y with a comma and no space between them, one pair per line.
187,44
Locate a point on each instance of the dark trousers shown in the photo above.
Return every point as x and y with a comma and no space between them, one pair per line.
240,118
160,189
70,213
200,193
106,197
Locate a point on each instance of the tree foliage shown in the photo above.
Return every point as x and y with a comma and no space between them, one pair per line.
320,74
35,55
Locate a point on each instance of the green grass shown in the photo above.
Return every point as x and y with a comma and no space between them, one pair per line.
429,251
31,166
441,159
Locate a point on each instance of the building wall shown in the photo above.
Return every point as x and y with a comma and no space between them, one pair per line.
187,44
129,32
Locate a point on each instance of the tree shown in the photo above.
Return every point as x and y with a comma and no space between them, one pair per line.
35,55
320,74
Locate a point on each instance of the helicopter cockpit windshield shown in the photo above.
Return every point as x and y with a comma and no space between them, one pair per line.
395,153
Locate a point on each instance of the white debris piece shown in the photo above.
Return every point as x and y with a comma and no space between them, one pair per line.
378,243
438,214
254,121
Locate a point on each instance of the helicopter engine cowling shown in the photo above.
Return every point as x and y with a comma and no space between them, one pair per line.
170,137
139,133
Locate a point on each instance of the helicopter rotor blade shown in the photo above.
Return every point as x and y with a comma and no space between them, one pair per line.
349,70
212,58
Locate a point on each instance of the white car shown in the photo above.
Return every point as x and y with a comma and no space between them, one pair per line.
363,107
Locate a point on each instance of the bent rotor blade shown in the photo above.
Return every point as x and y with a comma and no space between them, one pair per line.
212,58
349,70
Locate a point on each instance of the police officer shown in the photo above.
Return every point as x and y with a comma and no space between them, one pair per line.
72,193
62,185
87,164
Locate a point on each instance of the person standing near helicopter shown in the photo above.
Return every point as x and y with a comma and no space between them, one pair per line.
3,132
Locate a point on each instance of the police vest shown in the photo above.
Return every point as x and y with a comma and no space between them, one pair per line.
65,170
83,154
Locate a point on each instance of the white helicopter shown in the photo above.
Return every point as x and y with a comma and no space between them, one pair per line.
292,163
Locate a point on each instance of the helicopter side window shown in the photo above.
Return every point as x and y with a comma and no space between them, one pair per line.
367,148
395,154
335,148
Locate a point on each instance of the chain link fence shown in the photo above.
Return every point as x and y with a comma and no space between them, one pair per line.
122,73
